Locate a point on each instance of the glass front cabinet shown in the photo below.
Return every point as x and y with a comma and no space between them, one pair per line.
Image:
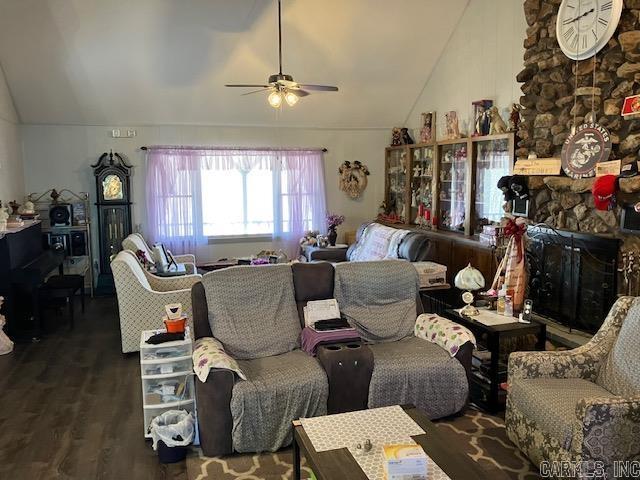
396,184
448,185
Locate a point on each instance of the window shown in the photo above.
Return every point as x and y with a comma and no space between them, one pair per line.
237,202
195,193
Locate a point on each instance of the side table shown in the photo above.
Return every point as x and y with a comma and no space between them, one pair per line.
485,385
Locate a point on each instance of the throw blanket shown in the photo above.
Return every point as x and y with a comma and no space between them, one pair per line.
449,335
378,242
310,339
209,353
378,298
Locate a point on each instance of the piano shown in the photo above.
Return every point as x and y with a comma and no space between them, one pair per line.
24,266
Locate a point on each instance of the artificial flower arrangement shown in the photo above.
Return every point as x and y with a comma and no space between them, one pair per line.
334,220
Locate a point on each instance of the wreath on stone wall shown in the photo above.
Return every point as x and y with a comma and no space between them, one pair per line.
353,178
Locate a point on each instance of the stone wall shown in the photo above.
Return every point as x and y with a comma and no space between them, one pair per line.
548,97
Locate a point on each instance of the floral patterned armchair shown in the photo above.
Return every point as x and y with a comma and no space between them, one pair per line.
581,405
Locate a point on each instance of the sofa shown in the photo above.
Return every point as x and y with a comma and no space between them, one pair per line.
581,405
142,297
375,241
255,312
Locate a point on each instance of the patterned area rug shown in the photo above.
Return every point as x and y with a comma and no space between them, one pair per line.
481,436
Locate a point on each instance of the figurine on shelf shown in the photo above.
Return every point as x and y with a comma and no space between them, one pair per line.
414,199
426,132
406,137
514,117
452,128
417,171
396,137
497,124
481,120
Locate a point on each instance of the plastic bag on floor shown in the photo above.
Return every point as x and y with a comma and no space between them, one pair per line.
6,345
176,428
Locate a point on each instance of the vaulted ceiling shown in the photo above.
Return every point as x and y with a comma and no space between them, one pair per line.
154,62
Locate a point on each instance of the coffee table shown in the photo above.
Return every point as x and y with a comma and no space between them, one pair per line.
339,463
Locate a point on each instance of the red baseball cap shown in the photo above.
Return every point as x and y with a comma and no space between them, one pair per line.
603,190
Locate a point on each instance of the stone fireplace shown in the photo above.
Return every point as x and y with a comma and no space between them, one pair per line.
548,85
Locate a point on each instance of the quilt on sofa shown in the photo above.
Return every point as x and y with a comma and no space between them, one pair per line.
378,298
416,371
278,389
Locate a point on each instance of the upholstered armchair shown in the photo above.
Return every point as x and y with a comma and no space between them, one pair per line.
142,297
135,242
581,405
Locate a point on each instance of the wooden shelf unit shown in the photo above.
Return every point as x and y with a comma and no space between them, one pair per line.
404,157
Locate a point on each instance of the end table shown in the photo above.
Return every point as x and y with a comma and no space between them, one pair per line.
484,387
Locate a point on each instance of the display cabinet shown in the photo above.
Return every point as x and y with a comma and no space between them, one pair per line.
492,158
454,172
449,185
422,184
396,182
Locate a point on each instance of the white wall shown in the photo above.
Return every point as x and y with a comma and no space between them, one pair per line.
11,171
60,157
481,61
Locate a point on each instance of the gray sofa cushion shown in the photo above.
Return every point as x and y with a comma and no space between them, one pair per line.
620,372
551,403
252,310
378,298
418,372
277,391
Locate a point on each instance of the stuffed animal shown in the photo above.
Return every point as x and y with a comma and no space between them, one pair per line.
396,137
406,138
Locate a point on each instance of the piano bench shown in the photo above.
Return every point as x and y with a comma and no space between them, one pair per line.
64,286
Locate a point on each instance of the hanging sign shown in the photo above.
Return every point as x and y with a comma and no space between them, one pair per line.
584,149
608,168
537,166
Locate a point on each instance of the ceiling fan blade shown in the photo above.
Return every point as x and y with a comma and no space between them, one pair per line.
322,88
256,91
300,93
249,86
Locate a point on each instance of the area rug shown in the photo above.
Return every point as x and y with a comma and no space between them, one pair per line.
481,436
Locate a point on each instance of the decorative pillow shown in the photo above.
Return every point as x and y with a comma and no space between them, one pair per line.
208,354
449,335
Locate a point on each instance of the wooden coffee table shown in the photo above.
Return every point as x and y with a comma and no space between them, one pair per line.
338,464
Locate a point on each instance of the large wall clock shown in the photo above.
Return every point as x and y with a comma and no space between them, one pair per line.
584,27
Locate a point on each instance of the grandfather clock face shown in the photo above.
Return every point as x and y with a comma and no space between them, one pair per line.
112,187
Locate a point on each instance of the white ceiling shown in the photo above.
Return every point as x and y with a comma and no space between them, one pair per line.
153,62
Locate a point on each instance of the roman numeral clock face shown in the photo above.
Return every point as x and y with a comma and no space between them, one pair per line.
585,26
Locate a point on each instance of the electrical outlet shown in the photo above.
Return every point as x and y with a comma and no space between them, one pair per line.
116,133
131,133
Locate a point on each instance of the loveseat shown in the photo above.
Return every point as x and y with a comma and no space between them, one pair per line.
375,241
581,406
255,312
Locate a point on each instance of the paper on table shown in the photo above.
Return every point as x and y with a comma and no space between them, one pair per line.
317,310
491,319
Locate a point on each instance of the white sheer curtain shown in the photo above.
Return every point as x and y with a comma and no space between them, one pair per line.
173,194
186,189
303,197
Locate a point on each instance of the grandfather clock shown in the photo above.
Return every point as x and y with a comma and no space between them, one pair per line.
113,193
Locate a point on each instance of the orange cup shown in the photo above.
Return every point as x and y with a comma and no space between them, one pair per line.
175,326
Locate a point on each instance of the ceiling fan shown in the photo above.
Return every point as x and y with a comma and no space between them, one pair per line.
281,85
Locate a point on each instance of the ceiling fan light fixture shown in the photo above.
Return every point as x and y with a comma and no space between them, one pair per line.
291,98
275,99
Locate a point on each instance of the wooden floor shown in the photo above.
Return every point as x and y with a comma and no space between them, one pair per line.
70,406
